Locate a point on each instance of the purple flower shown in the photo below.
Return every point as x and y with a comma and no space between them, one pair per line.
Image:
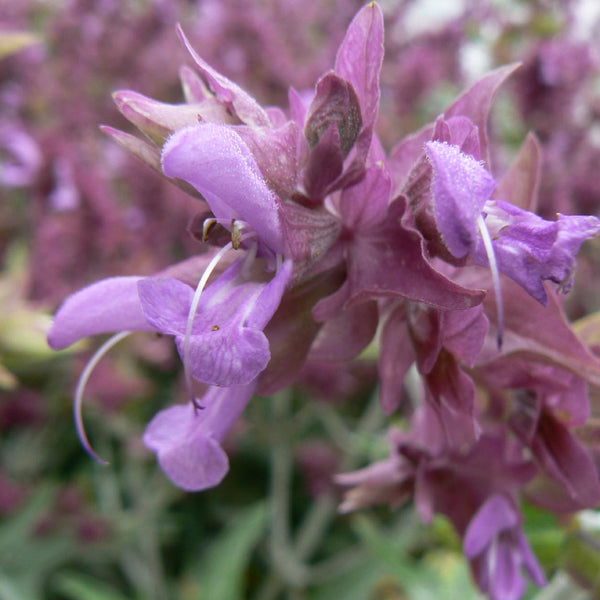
219,164
226,346
188,441
527,248
499,550
21,156
227,343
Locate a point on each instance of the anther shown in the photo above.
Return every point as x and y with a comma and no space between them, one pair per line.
207,227
236,233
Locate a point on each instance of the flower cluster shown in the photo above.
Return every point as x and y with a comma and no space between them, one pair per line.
319,242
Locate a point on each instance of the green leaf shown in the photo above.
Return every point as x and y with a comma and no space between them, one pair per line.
10,591
581,557
561,587
28,559
225,561
356,584
77,586
444,574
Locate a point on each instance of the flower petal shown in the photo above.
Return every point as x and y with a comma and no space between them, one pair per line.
530,249
166,303
106,306
460,188
227,345
219,164
496,515
188,440
241,103
360,56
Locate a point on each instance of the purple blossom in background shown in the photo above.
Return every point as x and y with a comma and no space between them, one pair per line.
499,549
316,239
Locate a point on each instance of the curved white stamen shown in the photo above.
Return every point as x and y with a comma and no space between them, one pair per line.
491,255
83,379
191,315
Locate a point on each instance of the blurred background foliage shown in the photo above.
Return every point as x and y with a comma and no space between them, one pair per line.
75,208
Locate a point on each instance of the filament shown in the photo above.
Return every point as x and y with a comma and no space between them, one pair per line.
191,315
491,255
83,379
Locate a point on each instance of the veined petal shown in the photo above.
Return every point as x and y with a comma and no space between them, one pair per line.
227,345
106,306
166,303
188,440
231,355
219,164
530,249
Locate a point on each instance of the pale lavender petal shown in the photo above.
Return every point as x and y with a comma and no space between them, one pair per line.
269,299
461,186
188,440
496,515
106,306
166,303
217,162
231,355
192,459
227,345
531,250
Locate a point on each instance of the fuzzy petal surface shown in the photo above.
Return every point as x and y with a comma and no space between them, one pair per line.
460,188
220,165
106,306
